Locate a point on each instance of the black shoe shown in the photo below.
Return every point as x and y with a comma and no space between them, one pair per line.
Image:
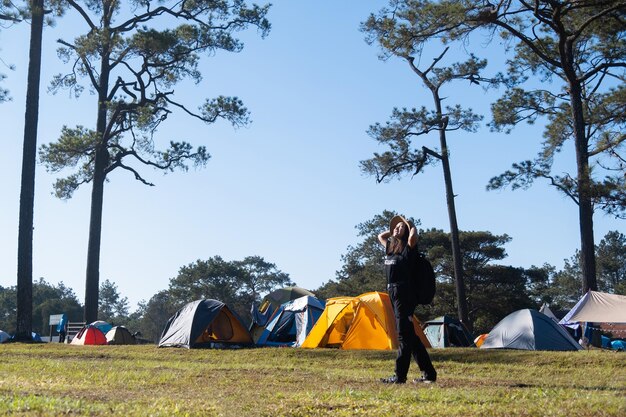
424,380
392,380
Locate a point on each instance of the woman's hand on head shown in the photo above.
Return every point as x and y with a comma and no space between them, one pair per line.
382,238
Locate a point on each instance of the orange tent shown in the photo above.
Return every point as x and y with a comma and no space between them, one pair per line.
480,339
89,335
363,322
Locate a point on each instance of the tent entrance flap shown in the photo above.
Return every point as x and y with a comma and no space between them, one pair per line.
220,329
340,326
204,323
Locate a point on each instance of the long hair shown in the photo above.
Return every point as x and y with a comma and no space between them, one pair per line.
396,245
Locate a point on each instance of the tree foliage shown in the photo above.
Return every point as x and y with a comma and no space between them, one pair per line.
591,33
48,299
139,66
10,14
611,255
611,258
362,269
493,291
113,307
567,65
577,52
388,30
239,284
564,289
131,58
152,316
405,126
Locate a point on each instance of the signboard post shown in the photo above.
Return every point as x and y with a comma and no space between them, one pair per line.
54,320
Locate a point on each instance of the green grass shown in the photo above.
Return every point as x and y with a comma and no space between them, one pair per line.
56,379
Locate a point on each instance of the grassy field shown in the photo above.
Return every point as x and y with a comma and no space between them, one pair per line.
55,379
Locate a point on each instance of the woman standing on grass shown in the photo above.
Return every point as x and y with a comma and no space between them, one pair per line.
400,243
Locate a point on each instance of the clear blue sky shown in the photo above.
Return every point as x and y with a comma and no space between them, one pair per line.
288,187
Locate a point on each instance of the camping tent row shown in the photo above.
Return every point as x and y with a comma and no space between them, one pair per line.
92,335
363,322
534,330
211,323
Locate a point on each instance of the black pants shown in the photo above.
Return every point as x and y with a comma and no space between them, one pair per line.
409,344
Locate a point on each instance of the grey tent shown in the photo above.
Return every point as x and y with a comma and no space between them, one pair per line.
119,335
204,323
529,330
446,331
545,309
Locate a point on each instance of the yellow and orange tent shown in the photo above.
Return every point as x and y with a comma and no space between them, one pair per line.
363,322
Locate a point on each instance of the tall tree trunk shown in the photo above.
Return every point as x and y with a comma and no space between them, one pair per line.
92,279
27,192
457,258
585,205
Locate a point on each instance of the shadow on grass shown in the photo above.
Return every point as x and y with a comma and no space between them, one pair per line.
576,387
492,356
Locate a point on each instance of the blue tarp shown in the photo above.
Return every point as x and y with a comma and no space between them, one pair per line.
62,323
618,345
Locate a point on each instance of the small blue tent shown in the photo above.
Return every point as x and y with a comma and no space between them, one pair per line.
262,313
291,322
446,331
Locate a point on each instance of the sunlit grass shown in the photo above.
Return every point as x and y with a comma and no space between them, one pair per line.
57,379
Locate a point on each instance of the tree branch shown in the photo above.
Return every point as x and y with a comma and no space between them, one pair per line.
135,173
419,164
431,153
609,145
84,14
595,17
85,61
526,40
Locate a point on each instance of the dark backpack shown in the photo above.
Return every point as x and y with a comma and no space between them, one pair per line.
423,279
